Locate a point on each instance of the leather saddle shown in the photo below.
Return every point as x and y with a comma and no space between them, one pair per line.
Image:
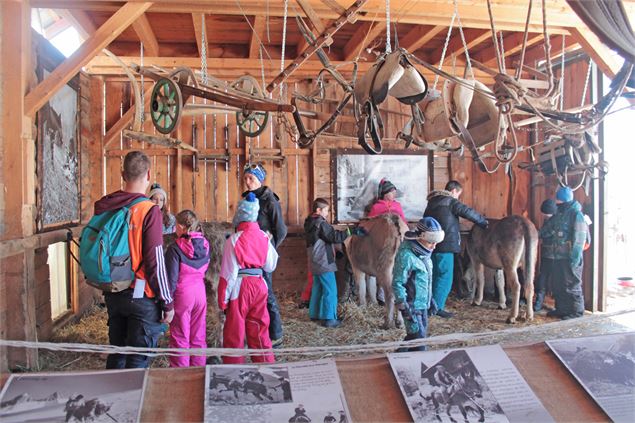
393,74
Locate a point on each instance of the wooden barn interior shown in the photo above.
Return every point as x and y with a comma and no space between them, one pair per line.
200,162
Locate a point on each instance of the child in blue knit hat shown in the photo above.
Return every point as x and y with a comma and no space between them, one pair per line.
412,278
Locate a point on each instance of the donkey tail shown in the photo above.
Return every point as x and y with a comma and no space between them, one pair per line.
531,252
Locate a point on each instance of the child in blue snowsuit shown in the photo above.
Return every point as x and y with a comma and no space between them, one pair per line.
412,277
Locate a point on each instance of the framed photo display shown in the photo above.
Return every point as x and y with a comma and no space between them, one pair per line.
357,177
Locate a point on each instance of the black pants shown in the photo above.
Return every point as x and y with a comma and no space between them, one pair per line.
544,279
420,319
275,321
567,288
132,322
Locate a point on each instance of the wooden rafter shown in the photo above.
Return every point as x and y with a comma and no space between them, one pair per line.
510,15
256,36
146,35
334,6
600,53
512,44
359,40
313,17
57,27
197,20
80,21
420,36
473,37
114,26
537,52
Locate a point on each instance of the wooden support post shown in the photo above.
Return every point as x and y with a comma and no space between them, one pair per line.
17,185
146,35
179,175
110,30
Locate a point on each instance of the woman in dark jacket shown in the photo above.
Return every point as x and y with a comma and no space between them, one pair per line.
445,207
271,221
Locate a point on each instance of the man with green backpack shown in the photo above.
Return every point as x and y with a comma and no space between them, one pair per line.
121,253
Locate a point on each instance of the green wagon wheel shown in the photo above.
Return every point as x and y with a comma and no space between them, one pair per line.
252,123
166,104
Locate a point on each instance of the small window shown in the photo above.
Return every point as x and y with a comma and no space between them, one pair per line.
59,273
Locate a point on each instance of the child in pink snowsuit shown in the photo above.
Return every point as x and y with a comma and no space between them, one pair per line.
242,291
386,202
186,262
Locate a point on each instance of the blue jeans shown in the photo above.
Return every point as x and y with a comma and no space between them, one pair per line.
323,304
442,274
132,322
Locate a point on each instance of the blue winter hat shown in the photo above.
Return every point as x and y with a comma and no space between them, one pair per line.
564,194
257,170
548,206
247,210
427,229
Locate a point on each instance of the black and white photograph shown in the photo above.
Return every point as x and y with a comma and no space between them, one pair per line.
105,396
308,391
58,145
248,385
358,178
470,385
605,367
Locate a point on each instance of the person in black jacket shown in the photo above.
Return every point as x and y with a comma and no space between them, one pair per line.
445,207
271,221
320,237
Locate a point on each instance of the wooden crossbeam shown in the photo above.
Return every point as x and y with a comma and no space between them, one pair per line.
146,35
114,26
197,20
359,40
334,6
80,21
313,17
537,52
57,27
420,36
473,37
256,36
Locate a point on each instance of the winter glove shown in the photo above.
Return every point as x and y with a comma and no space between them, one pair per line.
433,308
359,231
483,224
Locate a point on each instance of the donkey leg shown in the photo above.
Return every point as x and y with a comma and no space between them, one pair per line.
529,293
371,284
512,278
360,281
479,270
499,279
389,322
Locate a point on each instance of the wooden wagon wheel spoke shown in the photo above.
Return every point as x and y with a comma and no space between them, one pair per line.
252,123
166,104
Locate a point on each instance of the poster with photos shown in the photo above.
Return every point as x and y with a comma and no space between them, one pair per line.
104,396
605,367
291,392
471,384
358,176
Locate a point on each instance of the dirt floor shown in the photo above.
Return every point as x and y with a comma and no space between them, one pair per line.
361,326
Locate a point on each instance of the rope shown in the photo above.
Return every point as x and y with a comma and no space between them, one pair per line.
439,340
141,108
525,36
467,53
562,74
494,41
586,82
203,50
284,40
388,48
445,48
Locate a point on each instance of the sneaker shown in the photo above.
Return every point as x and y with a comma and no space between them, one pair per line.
554,313
303,304
276,343
571,316
445,314
333,323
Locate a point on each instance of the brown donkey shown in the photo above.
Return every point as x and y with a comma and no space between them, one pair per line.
507,244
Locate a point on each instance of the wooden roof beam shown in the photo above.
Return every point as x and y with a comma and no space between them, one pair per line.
419,36
313,17
197,20
256,36
146,35
79,20
56,28
114,26
512,44
473,37
334,6
537,52
359,40
601,54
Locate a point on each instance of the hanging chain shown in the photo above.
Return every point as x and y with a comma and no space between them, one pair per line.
445,48
502,50
562,74
203,50
142,99
284,40
467,53
388,48
586,82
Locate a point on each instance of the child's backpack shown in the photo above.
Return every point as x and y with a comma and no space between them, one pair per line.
104,253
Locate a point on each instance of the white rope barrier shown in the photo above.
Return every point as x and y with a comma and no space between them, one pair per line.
311,351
